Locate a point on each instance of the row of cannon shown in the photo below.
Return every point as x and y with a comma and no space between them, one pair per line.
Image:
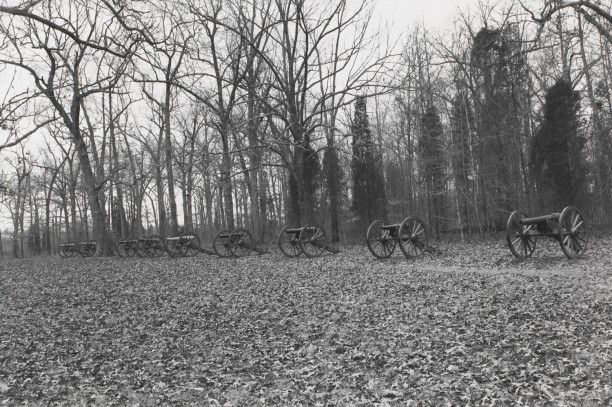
310,240
568,227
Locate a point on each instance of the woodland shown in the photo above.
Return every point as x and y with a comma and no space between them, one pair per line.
127,118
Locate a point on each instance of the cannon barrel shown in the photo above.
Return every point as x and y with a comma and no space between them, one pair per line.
540,219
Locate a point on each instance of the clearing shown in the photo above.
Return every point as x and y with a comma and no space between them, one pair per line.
470,326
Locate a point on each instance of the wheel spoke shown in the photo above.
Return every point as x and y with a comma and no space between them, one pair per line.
418,229
574,219
386,249
530,244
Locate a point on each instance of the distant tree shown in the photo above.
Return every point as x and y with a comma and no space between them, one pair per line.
432,155
59,45
462,123
557,151
499,75
369,200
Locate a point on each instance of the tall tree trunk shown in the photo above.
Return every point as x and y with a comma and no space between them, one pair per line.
115,153
16,216
226,181
263,201
47,231
161,206
255,159
73,206
168,161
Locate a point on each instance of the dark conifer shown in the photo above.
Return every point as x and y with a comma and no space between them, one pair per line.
368,201
557,160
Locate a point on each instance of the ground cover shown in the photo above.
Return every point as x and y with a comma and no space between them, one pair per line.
468,326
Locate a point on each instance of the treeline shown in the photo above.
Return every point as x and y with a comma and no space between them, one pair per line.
128,118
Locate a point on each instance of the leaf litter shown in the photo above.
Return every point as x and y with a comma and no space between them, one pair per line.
469,326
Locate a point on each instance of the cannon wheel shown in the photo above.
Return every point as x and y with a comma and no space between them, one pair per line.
61,252
313,240
573,234
241,241
130,248
413,236
88,248
120,248
221,245
289,243
70,249
173,247
520,241
73,250
380,242
189,244
154,246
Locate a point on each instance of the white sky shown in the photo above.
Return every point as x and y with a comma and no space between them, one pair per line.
436,14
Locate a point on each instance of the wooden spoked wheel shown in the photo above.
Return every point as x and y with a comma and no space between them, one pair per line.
413,236
189,244
521,238
88,248
130,247
154,246
573,235
61,250
72,250
69,249
313,240
242,242
289,243
172,247
221,244
120,248
380,241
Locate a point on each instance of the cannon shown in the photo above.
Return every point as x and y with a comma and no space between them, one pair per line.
310,240
383,237
68,249
185,245
568,227
129,247
236,243
85,248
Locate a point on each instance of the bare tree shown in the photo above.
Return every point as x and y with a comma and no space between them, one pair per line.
68,41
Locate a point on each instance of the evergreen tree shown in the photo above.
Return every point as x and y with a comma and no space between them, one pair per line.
433,164
556,157
499,73
368,201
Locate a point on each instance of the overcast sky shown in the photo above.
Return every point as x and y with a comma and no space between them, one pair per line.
434,13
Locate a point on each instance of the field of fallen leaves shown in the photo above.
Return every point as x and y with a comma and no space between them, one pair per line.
467,326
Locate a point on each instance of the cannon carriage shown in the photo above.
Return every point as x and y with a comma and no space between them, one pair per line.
309,239
87,248
236,243
568,227
411,235
184,245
